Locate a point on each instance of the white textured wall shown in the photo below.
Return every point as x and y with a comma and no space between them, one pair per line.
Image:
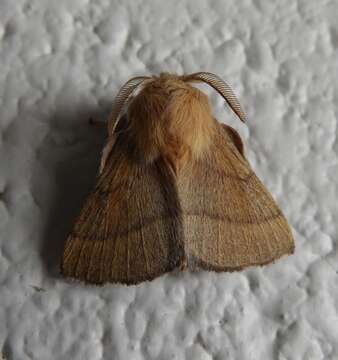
62,62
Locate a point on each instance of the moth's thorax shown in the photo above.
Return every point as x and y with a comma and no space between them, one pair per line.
172,119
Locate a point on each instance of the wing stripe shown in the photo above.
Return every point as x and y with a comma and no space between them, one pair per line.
133,228
226,218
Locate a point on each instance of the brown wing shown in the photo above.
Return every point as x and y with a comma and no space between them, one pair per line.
129,229
230,219
234,137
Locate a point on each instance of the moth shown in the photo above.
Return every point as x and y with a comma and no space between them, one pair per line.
174,190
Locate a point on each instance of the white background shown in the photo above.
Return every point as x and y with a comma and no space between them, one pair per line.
62,62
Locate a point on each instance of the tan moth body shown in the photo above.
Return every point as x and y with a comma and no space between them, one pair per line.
174,191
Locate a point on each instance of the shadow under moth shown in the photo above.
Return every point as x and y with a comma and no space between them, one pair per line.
174,191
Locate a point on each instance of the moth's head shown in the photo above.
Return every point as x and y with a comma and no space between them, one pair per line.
168,116
160,94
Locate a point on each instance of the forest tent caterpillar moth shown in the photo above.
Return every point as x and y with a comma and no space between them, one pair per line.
174,191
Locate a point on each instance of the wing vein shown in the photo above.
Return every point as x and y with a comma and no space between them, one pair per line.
128,245
142,236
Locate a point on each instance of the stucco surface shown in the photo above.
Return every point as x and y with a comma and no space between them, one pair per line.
62,62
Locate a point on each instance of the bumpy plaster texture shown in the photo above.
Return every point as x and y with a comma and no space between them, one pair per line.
62,62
